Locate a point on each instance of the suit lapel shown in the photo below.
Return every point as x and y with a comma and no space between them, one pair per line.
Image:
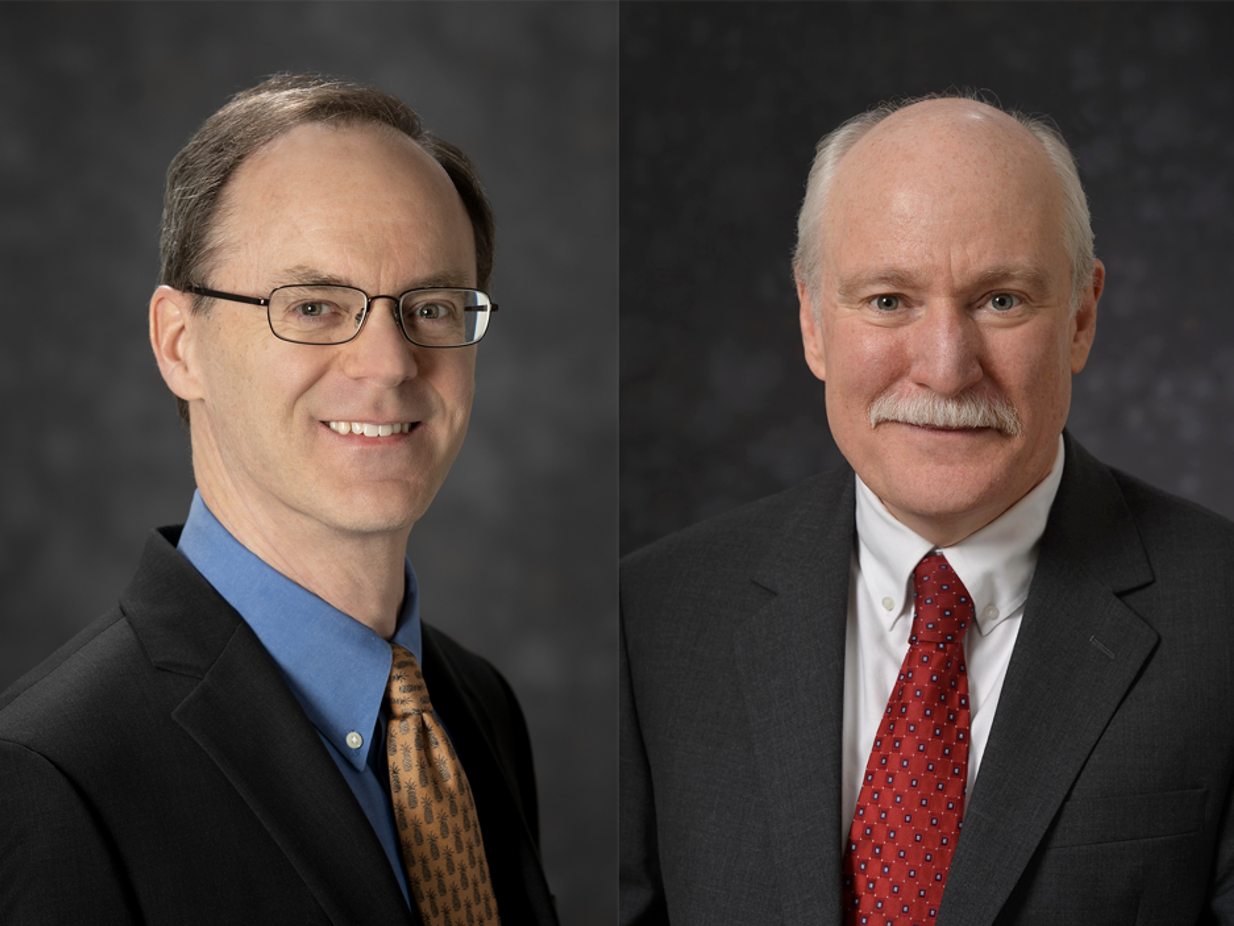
247,721
790,660
1078,651
521,891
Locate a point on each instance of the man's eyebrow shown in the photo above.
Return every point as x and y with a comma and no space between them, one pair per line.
866,284
1029,276
450,279
304,275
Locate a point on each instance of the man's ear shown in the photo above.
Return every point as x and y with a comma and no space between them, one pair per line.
811,331
1084,322
171,330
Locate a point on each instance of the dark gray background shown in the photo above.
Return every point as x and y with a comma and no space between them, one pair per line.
721,106
516,555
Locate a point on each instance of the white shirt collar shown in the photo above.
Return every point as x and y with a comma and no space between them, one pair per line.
995,564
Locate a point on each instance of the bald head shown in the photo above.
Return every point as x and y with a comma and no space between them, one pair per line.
950,147
957,148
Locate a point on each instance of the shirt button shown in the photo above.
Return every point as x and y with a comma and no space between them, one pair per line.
889,603
990,612
355,740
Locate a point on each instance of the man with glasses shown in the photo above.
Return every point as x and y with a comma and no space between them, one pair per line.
264,730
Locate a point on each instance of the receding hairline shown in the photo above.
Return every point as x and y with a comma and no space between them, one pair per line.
220,242
338,124
833,149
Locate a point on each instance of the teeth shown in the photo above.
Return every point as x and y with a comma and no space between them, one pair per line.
368,429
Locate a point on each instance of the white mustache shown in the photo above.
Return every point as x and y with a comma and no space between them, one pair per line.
930,410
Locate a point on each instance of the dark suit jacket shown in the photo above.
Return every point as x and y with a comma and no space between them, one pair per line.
1105,786
157,769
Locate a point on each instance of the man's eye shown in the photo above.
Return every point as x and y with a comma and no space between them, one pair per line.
1002,302
886,303
314,309
431,310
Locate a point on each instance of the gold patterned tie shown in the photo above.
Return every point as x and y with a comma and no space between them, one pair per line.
438,831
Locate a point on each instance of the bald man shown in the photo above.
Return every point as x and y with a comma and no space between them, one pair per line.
975,676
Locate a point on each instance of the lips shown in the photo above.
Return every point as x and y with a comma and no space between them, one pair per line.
371,428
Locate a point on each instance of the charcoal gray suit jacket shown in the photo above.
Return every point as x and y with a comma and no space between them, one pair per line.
1104,793
158,770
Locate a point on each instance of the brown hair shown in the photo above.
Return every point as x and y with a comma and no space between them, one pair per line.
253,118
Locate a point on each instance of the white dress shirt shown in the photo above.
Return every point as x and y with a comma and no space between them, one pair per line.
996,566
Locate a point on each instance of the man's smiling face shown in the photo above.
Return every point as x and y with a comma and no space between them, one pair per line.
942,321
362,206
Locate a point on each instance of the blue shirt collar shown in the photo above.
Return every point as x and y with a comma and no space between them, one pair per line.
336,667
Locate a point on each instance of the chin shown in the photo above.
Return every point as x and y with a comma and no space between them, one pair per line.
380,509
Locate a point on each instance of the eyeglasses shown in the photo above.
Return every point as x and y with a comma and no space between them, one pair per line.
437,317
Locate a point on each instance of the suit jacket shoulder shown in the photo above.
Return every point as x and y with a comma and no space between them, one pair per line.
732,670
770,540
158,769
164,740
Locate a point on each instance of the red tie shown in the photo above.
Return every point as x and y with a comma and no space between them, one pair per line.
911,806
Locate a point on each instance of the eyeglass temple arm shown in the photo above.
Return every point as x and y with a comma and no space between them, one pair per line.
229,297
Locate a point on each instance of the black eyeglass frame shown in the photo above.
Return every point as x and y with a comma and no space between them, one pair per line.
368,303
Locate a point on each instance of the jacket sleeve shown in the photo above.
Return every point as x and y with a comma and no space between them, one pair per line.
1221,908
56,864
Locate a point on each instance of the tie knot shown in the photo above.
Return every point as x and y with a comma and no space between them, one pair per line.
942,608
406,692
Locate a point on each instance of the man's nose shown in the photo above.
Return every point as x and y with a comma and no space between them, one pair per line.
380,353
946,349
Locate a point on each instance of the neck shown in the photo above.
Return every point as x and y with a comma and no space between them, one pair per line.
949,530
946,532
359,574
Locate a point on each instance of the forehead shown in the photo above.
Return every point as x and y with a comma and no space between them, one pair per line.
956,185
359,192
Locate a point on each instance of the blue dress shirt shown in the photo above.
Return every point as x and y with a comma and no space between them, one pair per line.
335,666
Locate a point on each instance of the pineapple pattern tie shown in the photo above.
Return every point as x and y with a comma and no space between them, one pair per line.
438,832
911,806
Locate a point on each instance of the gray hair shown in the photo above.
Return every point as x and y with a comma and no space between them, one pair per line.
1077,225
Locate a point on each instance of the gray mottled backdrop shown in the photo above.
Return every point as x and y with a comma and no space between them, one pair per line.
515,557
721,106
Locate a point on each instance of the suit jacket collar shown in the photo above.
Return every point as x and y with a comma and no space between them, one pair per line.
790,659
246,720
1078,651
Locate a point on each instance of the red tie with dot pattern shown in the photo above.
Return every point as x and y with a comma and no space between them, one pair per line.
911,806
438,832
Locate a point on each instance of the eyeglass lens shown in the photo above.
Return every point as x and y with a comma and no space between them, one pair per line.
330,314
